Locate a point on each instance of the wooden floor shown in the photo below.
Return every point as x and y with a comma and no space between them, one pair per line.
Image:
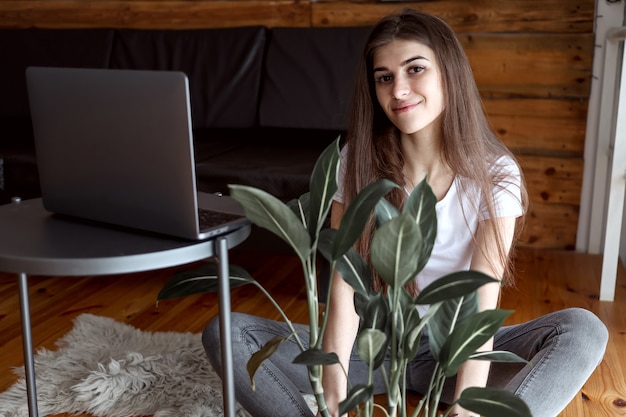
547,281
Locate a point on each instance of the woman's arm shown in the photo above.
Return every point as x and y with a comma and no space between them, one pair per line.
486,259
341,330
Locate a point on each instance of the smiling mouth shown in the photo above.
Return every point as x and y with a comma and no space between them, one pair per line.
405,108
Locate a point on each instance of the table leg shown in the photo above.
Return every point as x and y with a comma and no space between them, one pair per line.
27,343
228,383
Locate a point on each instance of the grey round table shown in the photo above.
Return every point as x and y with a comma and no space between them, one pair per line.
36,242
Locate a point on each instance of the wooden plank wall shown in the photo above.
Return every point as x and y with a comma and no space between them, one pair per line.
532,60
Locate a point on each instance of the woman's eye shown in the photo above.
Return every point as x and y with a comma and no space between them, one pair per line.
383,79
416,69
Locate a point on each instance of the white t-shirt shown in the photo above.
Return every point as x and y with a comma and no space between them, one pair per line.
457,220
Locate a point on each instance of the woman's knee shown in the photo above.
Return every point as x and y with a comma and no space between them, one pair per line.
585,323
211,337
586,328
211,343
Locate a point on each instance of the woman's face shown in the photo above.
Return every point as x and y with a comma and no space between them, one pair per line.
408,86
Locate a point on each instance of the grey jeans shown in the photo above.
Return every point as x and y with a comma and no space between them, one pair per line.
563,349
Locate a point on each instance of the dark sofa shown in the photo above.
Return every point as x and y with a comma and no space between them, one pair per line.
265,102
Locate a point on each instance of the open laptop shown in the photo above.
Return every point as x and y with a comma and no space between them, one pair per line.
116,146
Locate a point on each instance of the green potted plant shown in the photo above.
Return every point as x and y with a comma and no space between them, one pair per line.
390,322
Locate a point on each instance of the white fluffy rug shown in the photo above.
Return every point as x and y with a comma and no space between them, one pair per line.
107,368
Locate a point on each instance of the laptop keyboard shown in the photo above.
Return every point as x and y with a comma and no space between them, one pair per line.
209,218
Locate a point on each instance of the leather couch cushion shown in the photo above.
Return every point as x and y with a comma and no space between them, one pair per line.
279,161
310,77
224,68
20,48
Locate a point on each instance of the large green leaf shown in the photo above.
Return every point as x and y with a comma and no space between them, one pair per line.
301,207
413,336
357,215
491,402
374,314
469,336
202,280
394,247
453,285
323,186
373,310
385,211
457,292
258,357
351,266
357,395
410,322
265,210
497,356
371,345
316,357
421,206
450,314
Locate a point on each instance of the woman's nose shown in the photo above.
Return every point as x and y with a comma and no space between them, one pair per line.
400,88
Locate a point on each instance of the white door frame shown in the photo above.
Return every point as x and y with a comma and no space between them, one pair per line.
602,197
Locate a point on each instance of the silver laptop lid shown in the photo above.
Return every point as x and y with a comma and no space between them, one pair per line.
116,146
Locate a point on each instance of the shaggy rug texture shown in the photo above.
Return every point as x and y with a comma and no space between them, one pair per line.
111,369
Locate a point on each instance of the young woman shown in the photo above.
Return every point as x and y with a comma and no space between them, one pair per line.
417,113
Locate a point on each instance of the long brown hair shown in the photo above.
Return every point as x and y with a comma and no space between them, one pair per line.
374,147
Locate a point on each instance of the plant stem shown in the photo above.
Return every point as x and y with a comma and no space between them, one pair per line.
310,279
403,409
327,303
427,399
315,377
282,313
439,390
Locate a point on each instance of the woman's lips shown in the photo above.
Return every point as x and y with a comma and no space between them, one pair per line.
403,108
